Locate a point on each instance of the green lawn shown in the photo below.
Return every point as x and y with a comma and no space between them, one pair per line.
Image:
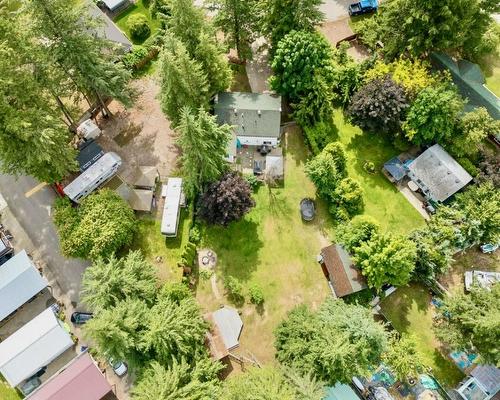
140,7
273,247
382,200
153,244
410,311
7,393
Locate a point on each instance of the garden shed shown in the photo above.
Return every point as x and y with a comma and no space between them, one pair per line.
81,379
19,282
437,174
340,271
395,168
33,346
229,324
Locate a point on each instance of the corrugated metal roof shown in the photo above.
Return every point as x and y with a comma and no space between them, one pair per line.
32,347
438,174
19,282
396,168
229,324
253,114
489,378
109,30
81,379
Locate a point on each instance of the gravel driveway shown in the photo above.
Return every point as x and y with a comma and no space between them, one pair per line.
335,9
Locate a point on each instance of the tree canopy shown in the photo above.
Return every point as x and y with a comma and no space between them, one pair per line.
106,282
204,147
99,227
337,342
403,357
471,322
358,231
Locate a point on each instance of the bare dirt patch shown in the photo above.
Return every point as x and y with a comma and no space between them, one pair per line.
141,135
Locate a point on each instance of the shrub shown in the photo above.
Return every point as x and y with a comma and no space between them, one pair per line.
138,26
206,274
195,234
188,255
256,295
234,289
319,135
349,195
468,165
369,167
379,105
253,181
226,200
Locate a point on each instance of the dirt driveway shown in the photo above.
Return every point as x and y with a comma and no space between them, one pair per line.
140,135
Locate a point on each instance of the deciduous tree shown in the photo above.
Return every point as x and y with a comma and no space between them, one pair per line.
99,227
204,148
348,197
471,322
106,282
336,343
403,357
360,230
386,259
280,17
226,200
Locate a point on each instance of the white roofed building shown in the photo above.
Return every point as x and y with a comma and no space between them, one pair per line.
172,192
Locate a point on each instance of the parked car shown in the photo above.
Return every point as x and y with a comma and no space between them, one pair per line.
30,385
119,367
307,209
363,7
80,318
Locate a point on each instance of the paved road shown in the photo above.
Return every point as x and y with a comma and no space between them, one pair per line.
33,213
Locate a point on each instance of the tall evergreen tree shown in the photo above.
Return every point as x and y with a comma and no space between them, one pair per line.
280,17
238,20
183,82
66,30
33,138
204,148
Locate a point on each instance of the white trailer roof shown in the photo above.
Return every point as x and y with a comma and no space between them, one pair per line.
32,347
171,208
19,282
91,175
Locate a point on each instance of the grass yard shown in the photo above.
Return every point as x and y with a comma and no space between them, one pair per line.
274,248
240,81
410,311
7,393
139,7
153,244
382,200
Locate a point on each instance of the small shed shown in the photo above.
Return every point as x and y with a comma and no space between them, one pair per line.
229,324
216,345
340,391
395,168
114,5
19,282
32,347
437,174
274,166
339,269
145,177
80,379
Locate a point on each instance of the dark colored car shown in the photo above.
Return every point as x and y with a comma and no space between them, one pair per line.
363,7
307,209
80,318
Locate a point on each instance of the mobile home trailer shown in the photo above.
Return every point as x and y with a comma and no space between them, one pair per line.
172,207
89,180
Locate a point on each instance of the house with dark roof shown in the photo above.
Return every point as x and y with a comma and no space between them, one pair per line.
437,174
343,277
256,118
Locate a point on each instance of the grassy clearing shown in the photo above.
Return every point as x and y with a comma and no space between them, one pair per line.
153,244
7,393
139,7
240,79
274,248
410,311
382,200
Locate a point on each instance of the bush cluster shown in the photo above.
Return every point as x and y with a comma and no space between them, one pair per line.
138,27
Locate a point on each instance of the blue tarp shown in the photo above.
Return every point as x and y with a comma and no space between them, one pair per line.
368,3
395,168
340,392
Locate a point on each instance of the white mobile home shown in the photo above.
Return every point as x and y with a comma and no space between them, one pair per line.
172,207
89,180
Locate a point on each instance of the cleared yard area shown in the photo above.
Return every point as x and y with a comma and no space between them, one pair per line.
7,393
162,252
139,7
274,248
382,200
410,311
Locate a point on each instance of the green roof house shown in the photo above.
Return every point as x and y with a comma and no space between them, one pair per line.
255,116
470,81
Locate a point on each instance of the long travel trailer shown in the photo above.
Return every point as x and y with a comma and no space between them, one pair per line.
89,180
172,192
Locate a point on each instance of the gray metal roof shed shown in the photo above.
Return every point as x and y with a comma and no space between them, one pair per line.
253,114
229,323
19,282
437,174
32,347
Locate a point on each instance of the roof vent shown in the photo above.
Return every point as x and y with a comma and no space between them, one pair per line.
235,111
259,112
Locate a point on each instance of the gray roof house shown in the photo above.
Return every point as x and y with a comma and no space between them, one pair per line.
483,383
255,116
108,29
437,174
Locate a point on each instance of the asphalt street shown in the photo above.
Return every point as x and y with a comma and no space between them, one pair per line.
31,204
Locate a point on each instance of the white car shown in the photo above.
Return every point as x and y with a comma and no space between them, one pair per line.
119,367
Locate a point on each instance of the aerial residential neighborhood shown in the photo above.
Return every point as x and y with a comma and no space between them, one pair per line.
249,199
